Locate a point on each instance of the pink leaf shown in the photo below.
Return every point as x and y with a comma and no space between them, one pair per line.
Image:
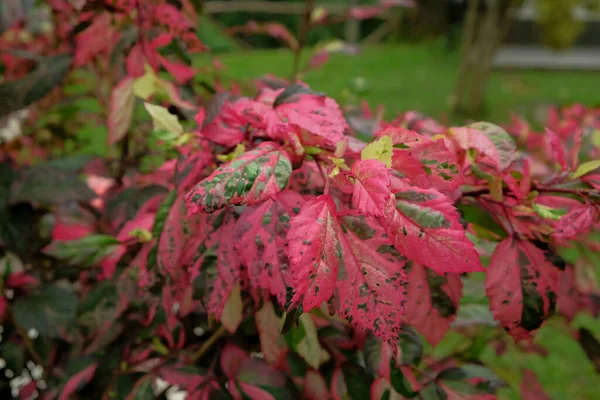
231,359
521,285
314,252
531,389
121,110
77,381
252,178
371,187
576,222
181,72
228,265
423,225
319,115
260,240
432,301
370,288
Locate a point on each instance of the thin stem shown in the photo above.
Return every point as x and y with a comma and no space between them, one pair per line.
206,346
302,38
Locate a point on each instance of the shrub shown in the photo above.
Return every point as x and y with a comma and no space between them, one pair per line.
273,254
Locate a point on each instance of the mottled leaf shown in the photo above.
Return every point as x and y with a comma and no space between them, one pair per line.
424,226
432,301
315,252
252,178
522,286
260,240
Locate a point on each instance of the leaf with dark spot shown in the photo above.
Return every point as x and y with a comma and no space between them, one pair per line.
252,178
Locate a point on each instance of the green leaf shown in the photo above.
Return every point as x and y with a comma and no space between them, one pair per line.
399,381
49,185
164,135
433,391
6,179
163,120
145,85
85,252
478,216
381,150
585,168
27,90
358,381
13,355
305,341
17,229
411,346
51,308
162,213
548,212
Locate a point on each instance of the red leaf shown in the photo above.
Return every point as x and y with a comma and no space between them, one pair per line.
425,162
231,359
121,110
228,265
314,252
252,178
260,237
424,226
327,259
318,115
521,285
371,187
470,138
77,381
432,301
531,389
370,288
181,72
576,222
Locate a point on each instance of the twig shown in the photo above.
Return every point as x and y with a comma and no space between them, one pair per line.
206,346
302,37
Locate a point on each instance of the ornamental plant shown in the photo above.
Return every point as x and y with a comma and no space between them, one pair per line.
272,254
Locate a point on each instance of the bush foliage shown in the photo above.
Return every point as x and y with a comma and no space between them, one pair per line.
238,246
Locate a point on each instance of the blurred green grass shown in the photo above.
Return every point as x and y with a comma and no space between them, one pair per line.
418,77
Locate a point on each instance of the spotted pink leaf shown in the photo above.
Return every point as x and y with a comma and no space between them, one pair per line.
318,115
432,301
371,187
578,220
315,252
252,178
522,286
423,225
370,288
427,163
260,240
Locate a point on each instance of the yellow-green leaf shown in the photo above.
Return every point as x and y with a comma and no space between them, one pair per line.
380,150
163,119
548,212
585,168
145,85
238,151
233,310
309,347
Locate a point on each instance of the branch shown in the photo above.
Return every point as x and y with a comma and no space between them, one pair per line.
206,346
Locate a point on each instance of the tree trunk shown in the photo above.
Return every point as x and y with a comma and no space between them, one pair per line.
483,34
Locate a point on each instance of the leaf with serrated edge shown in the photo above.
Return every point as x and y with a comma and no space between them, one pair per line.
522,286
252,178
